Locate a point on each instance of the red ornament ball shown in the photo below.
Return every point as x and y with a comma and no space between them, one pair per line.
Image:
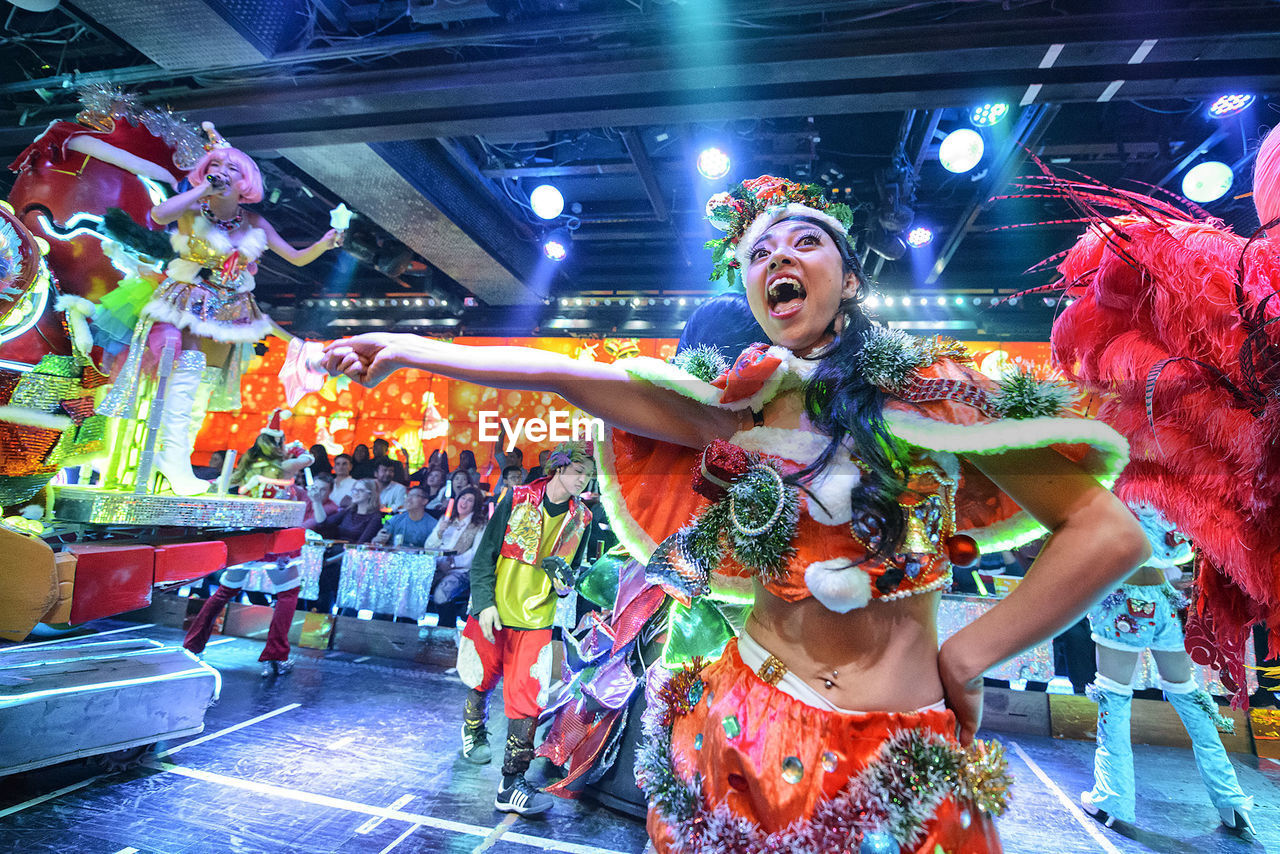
962,550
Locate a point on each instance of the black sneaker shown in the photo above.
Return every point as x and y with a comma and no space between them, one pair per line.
521,797
475,747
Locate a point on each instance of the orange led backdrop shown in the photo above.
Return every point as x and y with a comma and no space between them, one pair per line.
420,412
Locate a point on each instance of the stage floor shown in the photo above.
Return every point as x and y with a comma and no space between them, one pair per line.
350,753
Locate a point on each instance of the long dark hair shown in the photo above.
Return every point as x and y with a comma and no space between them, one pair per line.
842,404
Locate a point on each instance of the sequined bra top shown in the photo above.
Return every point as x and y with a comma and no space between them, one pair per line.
746,520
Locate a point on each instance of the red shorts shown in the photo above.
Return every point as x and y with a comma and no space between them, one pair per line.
521,658
764,756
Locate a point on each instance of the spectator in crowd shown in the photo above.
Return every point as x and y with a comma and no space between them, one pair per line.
459,481
321,464
511,476
214,469
433,484
362,462
505,458
412,526
458,536
438,459
382,452
356,523
390,494
343,481
467,460
320,505
538,470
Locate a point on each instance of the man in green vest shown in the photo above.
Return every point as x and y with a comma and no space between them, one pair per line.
526,559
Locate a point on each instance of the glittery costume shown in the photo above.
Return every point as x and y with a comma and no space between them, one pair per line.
733,762
208,290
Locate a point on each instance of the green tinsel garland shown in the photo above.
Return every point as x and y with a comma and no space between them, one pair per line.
704,539
754,501
889,356
1022,395
704,362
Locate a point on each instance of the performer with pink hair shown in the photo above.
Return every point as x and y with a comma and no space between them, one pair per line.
205,308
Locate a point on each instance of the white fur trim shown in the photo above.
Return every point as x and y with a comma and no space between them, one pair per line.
470,667
838,584
834,488
182,270
1109,454
242,333
668,376
771,215
1106,683
802,446
1188,687
34,418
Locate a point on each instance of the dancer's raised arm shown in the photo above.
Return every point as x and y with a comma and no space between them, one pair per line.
604,390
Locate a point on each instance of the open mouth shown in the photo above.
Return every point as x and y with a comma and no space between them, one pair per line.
786,296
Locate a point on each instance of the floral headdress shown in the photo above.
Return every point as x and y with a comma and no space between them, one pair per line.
747,209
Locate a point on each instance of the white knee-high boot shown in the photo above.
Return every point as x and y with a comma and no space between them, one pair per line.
1202,720
173,446
1113,791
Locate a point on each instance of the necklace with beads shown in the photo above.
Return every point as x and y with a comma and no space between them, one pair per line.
224,224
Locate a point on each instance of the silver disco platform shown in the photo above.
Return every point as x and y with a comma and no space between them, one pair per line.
111,507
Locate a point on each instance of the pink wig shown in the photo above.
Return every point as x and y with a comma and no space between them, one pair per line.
249,187
1266,179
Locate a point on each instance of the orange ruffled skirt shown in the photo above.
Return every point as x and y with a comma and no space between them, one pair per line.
772,759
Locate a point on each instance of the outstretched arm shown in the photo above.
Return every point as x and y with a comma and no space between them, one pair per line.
605,391
1095,543
296,257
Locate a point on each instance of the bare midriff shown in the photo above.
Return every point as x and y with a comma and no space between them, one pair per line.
879,658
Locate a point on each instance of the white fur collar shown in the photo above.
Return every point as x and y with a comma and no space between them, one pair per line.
252,243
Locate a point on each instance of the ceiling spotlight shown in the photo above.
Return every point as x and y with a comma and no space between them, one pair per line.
1229,105
578,301
959,300
888,301
1207,182
942,300
960,150
682,301
546,201
873,301
987,115
713,164
556,246
919,236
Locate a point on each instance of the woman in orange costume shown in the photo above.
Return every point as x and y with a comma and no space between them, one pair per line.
832,481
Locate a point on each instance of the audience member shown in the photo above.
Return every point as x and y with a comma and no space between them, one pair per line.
458,535
320,505
214,469
411,527
362,462
382,452
540,469
321,463
343,481
390,493
433,483
356,523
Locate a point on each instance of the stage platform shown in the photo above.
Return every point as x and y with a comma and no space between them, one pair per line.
355,752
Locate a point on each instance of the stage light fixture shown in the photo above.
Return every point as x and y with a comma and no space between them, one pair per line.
554,249
987,115
888,301
1229,105
919,236
1207,182
546,201
960,150
713,164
